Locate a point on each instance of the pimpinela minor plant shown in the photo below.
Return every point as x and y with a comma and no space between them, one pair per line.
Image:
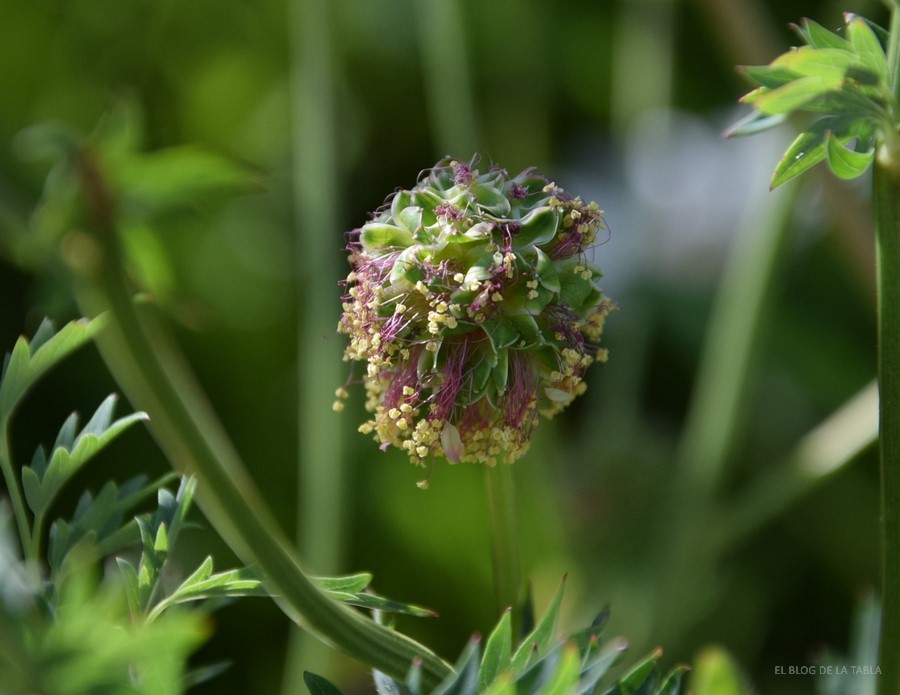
475,310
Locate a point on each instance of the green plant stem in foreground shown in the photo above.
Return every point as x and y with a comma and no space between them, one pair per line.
15,493
152,372
504,541
887,203
886,184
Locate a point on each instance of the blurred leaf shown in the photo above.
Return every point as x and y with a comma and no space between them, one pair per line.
351,583
715,673
867,47
539,639
203,584
497,651
464,681
794,95
818,36
807,150
377,236
537,227
565,678
178,176
319,686
671,685
845,163
28,362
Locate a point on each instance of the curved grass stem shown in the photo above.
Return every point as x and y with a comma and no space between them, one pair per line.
156,378
504,541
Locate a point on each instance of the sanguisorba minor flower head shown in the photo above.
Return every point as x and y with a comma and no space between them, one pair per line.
475,310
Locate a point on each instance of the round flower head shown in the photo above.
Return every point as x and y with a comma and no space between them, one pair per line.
473,306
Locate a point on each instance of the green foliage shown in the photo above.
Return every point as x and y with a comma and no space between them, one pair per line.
541,664
715,673
61,629
843,81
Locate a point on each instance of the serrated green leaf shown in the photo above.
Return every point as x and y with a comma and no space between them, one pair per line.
464,679
497,652
351,583
378,237
385,685
529,333
504,685
542,633
400,201
67,433
754,122
599,664
796,94
867,47
27,365
818,36
406,270
34,492
844,163
490,200
574,288
641,679
410,218
564,680
547,274
769,76
379,603
830,64
319,686
671,684
480,270
130,580
807,150
537,227
500,331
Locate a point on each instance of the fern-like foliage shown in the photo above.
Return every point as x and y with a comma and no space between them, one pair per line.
540,664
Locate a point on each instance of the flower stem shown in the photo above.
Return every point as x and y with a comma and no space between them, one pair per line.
156,378
887,203
504,541
15,493
886,184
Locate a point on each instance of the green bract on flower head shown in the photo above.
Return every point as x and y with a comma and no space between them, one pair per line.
472,304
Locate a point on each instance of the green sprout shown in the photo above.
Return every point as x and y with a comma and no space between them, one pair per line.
474,306
842,79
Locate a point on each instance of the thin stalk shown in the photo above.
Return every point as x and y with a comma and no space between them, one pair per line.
448,88
714,417
887,202
504,541
886,188
15,493
322,509
156,378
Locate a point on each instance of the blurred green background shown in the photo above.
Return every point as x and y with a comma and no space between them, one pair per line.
338,103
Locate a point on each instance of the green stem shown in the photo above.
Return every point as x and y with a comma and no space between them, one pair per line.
886,185
504,541
451,104
322,508
887,204
154,375
15,493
